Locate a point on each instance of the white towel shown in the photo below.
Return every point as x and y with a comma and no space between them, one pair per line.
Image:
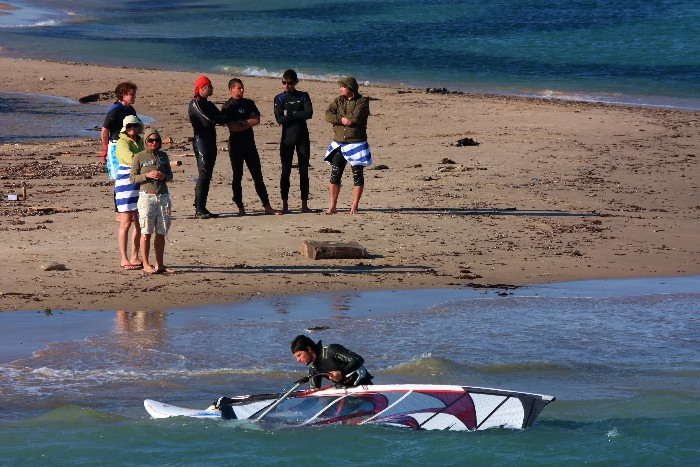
354,153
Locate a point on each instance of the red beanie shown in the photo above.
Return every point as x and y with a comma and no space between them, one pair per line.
201,82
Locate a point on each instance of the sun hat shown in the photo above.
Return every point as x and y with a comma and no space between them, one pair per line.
132,120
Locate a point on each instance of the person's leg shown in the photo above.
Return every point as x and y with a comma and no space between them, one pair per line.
359,182
252,160
135,238
145,251
303,156
123,236
147,212
159,249
286,158
338,164
236,158
205,153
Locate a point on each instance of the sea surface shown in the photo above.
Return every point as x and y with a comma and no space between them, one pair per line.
621,51
622,358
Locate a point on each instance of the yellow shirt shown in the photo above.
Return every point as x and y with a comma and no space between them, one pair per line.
127,148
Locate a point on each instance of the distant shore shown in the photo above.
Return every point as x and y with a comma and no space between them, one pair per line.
555,191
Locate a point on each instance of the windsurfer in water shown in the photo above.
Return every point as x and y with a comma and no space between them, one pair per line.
342,366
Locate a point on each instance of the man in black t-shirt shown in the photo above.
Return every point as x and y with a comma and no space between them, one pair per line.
243,115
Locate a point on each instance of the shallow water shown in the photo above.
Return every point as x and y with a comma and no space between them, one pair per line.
622,358
628,51
38,117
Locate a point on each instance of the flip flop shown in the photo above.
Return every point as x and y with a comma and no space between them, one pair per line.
131,267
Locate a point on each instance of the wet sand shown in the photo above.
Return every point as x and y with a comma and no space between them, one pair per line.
555,191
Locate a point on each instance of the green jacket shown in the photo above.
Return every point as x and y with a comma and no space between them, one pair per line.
356,110
127,148
144,162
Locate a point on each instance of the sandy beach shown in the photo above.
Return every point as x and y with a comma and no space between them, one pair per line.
555,191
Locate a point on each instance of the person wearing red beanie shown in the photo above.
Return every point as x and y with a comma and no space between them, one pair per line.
204,116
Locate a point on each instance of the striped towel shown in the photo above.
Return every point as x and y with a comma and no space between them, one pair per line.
354,153
126,194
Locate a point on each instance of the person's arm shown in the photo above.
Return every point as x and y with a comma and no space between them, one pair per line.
315,382
332,113
359,114
307,112
124,154
348,360
280,117
167,169
135,175
243,125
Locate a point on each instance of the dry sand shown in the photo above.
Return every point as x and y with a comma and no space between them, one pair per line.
555,191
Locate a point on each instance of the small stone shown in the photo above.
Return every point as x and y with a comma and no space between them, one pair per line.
54,267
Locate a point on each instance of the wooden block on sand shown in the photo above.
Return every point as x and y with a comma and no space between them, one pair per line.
332,250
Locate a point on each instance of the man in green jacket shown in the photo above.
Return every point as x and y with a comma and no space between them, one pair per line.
348,114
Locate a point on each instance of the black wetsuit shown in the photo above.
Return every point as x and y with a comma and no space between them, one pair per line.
335,357
241,148
292,109
204,116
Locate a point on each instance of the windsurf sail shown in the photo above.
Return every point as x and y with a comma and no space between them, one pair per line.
413,406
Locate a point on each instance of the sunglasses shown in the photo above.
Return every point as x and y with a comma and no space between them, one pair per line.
133,125
288,82
153,140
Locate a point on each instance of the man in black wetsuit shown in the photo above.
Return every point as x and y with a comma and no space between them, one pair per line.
343,366
292,110
204,116
243,115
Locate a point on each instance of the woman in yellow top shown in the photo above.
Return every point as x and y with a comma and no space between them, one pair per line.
126,194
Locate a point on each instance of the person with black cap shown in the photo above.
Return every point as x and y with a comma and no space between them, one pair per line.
348,114
204,116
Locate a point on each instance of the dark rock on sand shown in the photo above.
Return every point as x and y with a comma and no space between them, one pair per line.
466,142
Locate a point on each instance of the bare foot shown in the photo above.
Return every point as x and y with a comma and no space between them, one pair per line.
353,210
271,212
148,269
165,270
330,212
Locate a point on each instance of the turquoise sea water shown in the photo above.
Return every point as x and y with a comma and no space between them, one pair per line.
628,51
622,357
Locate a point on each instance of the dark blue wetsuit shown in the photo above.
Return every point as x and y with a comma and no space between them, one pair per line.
204,116
114,119
241,148
335,357
292,110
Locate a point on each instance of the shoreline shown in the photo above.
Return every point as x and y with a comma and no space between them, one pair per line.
556,191
546,95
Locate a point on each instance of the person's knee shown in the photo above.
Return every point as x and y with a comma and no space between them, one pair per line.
336,175
358,176
286,168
